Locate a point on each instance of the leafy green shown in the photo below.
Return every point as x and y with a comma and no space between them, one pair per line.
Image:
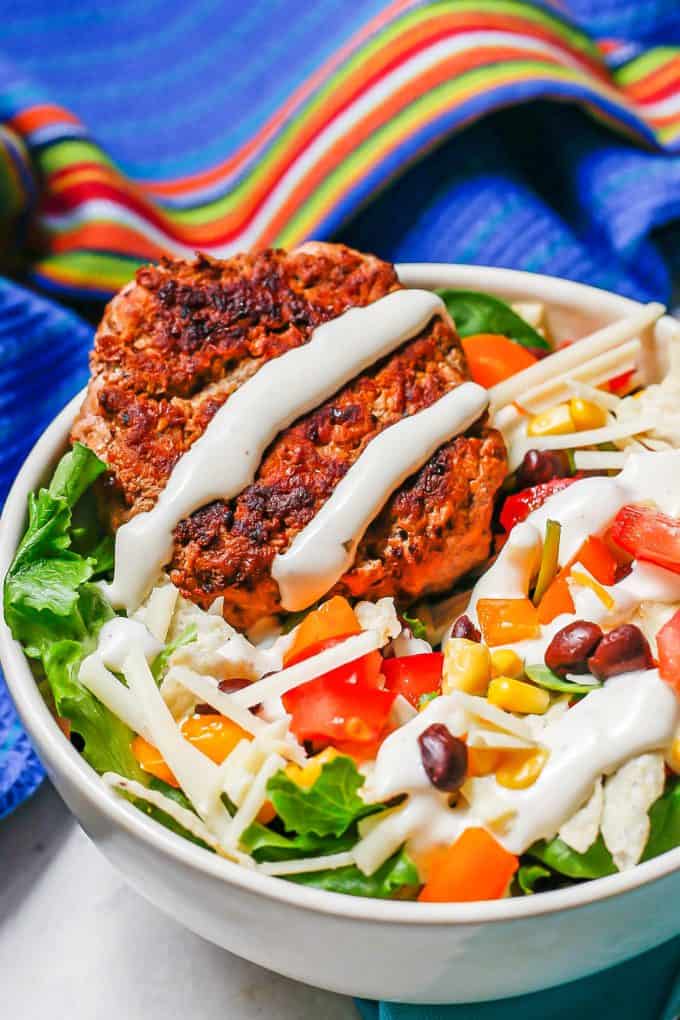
664,817
549,560
475,312
265,844
397,876
56,613
529,875
416,626
596,862
161,817
544,677
425,699
160,663
328,807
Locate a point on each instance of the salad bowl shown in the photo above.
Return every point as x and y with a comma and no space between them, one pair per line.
401,951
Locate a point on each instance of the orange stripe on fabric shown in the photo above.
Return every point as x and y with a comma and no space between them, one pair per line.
413,89
207,177
106,237
36,117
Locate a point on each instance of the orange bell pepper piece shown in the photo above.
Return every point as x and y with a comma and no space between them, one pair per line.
557,600
598,559
503,621
214,735
334,619
475,867
493,357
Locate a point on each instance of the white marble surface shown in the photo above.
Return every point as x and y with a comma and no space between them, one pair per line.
76,942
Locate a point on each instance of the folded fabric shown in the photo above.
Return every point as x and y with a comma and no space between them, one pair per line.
43,361
125,134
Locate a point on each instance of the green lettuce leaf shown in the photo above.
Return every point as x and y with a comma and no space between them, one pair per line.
416,626
161,817
475,312
265,844
664,817
160,663
328,807
529,875
398,876
56,613
596,862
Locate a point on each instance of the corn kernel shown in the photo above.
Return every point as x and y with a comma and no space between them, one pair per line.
505,662
467,667
306,775
521,769
674,756
556,421
586,415
516,696
482,761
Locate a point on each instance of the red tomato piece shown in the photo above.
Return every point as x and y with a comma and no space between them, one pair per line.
648,535
668,645
518,506
414,675
346,704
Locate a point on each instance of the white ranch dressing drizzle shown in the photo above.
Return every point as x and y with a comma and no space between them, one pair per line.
632,714
322,552
225,459
586,508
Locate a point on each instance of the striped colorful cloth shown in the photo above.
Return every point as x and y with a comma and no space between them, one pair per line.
542,136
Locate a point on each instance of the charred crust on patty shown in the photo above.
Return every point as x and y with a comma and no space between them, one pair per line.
174,345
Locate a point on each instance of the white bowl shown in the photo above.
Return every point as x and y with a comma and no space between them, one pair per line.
408,952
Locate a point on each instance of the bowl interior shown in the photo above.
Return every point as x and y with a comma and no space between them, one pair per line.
574,310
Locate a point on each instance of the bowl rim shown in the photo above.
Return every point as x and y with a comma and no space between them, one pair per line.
64,761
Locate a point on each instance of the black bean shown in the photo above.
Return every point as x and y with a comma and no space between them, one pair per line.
622,650
444,757
541,466
465,628
232,685
569,649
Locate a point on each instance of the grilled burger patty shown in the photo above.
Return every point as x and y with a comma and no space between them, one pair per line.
171,348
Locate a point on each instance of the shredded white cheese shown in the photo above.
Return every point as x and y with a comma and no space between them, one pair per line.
309,669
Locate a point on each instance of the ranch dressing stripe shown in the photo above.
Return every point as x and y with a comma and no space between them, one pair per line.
225,459
322,552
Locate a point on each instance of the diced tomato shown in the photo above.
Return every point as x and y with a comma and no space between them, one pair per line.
414,675
518,506
668,645
475,867
648,535
620,383
334,619
346,704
